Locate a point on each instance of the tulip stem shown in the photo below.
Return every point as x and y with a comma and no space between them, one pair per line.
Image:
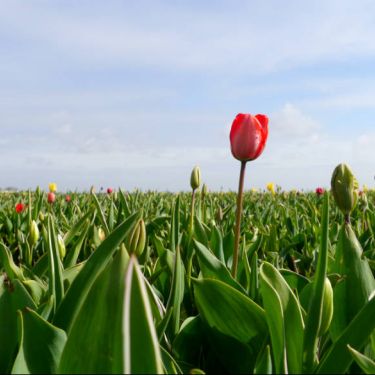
238,219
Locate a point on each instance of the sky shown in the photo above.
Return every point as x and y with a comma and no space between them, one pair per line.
134,94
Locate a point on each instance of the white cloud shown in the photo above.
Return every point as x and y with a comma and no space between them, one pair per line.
174,36
291,122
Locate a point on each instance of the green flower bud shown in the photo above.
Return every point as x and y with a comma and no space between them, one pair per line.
61,246
195,179
327,311
101,234
41,216
204,190
344,188
137,239
34,233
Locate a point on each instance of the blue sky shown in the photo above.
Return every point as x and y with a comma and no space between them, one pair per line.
136,93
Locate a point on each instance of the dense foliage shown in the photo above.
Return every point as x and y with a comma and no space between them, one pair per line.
141,283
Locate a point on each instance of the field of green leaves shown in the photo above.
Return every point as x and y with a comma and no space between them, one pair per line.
142,282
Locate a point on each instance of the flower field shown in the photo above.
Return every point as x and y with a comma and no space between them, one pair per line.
74,300
200,282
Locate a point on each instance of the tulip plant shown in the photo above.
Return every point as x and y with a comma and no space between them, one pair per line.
132,282
248,137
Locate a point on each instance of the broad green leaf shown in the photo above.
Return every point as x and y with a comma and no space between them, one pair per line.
6,260
284,320
41,345
213,268
229,311
188,344
366,364
216,243
76,228
338,358
95,341
359,280
295,280
200,232
69,274
13,297
140,337
81,285
176,293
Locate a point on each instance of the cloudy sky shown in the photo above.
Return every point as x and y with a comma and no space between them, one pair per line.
136,93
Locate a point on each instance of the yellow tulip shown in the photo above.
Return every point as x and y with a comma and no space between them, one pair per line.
52,187
271,187
365,188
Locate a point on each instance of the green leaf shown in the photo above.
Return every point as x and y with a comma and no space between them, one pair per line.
13,297
140,338
216,243
95,340
6,260
76,228
366,364
213,268
176,295
101,214
72,255
284,320
55,269
337,360
81,285
229,311
359,280
315,310
41,345
263,363
188,344
170,365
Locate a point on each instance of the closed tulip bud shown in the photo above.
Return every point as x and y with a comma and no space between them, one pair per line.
61,246
137,239
52,187
319,191
219,215
34,233
248,136
195,179
41,216
271,188
344,188
204,189
327,311
101,234
51,197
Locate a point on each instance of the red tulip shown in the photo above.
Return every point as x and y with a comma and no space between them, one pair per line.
20,207
248,136
319,191
51,197
109,190
68,198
